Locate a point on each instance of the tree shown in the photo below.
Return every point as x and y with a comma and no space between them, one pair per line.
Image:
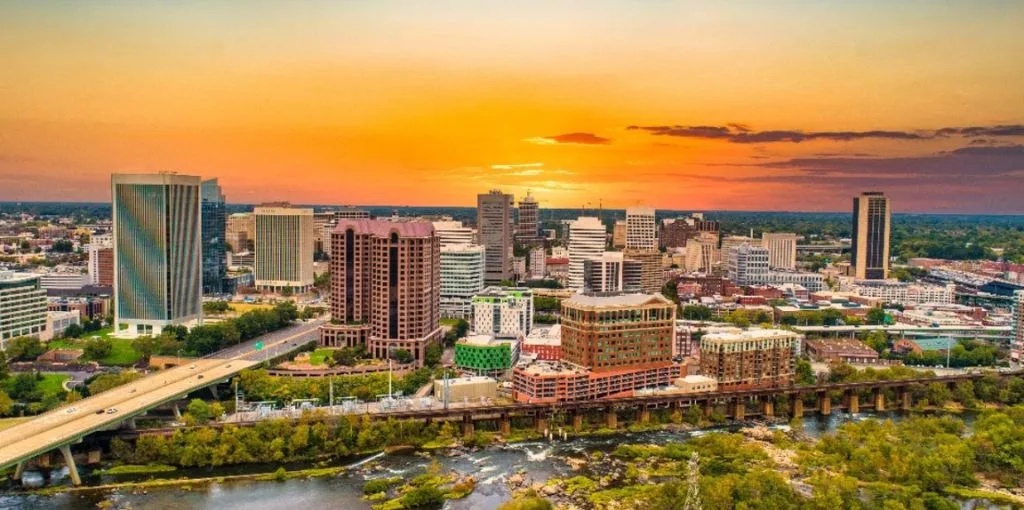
697,313
105,382
804,372
876,316
73,331
877,340
5,371
346,357
322,281
402,356
62,246
24,348
98,348
198,410
287,292
215,307
423,497
432,355
25,386
6,404
670,291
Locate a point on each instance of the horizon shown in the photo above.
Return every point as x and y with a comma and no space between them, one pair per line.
747,106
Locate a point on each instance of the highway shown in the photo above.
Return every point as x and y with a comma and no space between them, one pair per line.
68,424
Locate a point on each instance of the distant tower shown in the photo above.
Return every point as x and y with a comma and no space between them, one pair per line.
528,230
214,233
157,251
871,226
494,227
640,229
587,239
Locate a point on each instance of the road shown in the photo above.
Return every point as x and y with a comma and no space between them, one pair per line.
68,424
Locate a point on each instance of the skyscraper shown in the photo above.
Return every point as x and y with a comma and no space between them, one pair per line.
781,249
528,230
494,225
462,277
241,232
453,232
871,225
284,248
640,228
157,251
214,239
587,238
611,272
385,287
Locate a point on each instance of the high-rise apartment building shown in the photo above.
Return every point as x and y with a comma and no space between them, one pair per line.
537,262
748,265
1017,326
587,239
214,226
503,312
284,248
240,232
22,306
702,252
781,249
157,251
641,232
652,276
385,287
754,358
625,331
453,232
101,260
462,277
494,226
619,234
872,215
528,229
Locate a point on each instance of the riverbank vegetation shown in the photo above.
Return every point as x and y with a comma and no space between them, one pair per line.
258,385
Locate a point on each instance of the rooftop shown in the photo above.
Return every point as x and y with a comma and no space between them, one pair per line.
384,228
749,334
615,300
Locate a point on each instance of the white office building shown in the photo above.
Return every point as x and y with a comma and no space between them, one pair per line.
641,229
537,262
781,248
22,306
748,265
587,238
503,312
284,248
453,232
462,277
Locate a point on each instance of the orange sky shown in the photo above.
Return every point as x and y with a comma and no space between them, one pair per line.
429,103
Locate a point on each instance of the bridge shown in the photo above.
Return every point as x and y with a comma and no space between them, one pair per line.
60,428
822,248
738,404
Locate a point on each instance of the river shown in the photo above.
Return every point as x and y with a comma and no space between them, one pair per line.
491,466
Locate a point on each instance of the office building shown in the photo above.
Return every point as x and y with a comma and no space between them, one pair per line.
652,276
611,272
462,277
503,312
214,234
528,229
284,248
385,287
730,242
587,239
616,332
494,226
676,231
323,223
350,213
748,265
63,280
752,358
1017,326
641,231
869,251
537,266
619,234
157,251
22,306
781,249
101,260
453,232
240,232
486,355
701,253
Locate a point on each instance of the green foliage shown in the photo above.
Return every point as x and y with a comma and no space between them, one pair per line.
24,348
215,307
403,356
875,316
380,485
205,339
5,370
804,372
98,348
697,313
546,304
459,330
73,331
62,246
6,404
670,291
258,385
530,501
432,355
545,318
964,353
542,284
197,412
105,382
322,281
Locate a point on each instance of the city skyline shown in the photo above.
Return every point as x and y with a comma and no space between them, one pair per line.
685,106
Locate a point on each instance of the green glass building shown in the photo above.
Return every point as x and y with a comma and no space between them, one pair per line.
484,355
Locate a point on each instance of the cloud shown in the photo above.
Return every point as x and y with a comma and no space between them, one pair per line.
954,166
578,138
514,166
742,133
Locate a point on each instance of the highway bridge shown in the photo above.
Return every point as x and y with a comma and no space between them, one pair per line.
64,426
992,332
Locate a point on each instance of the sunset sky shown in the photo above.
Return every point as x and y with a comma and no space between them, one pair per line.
675,104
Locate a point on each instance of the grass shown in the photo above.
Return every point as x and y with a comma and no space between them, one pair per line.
137,469
320,356
52,384
6,423
449,322
241,308
121,355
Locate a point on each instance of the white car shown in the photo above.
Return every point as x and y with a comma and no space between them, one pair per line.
71,410
112,410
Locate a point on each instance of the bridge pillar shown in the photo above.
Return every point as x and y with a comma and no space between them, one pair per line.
739,408
467,427
43,460
852,402
905,403
707,408
824,403
70,462
95,456
768,407
798,406
577,421
542,424
879,400
645,416
130,423
611,419
177,412
213,390
19,470
506,425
